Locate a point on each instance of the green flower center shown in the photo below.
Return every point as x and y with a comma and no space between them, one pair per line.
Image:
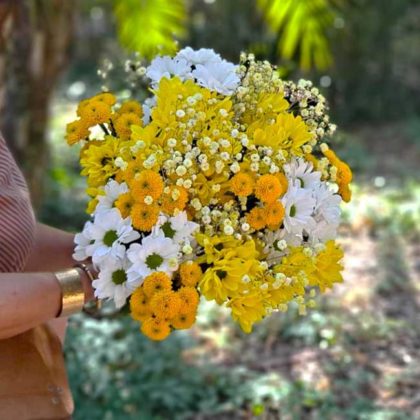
292,211
221,274
168,230
110,237
119,276
153,261
302,183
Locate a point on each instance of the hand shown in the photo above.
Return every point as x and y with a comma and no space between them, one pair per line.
87,282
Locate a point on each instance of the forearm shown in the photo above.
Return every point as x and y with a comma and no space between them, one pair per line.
27,300
52,250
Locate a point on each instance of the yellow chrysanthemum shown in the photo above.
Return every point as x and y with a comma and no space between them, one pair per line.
344,174
144,216
95,112
268,188
133,168
274,213
288,133
147,183
124,122
242,184
257,218
139,305
189,297
92,205
131,107
165,304
105,97
76,131
184,320
98,161
124,204
283,182
155,329
156,282
190,273
175,198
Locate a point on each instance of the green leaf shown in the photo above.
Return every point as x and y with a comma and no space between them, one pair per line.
301,27
150,26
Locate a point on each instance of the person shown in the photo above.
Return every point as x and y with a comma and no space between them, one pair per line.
40,285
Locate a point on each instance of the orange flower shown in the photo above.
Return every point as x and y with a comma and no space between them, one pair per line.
274,213
257,218
242,184
144,216
189,297
95,112
156,282
76,131
268,188
131,107
155,329
139,305
147,183
184,320
123,124
175,198
124,204
165,304
190,273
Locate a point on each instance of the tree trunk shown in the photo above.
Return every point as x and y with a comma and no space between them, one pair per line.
35,37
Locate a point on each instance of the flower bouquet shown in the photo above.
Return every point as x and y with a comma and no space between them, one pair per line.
220,185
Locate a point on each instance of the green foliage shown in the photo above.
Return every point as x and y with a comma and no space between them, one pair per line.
301,27
150,26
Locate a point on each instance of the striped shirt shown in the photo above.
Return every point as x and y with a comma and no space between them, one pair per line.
17,222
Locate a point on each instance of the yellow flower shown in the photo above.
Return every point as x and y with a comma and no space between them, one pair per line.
175,198
124,204
288,133
184,319
124,122
165,304
327,267
155,329
247,309
268,188
283,182
242,184
189,297
257,218
131,106
344,174
156,282
144,216
190,273
76,131
105,97
139,305
274,213
147,183
95,112
98,161
134,167
92,205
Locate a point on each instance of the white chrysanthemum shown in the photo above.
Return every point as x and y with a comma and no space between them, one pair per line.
298,205
300,173
112,281
322,232
167,67
112,191
327,204
276,243
156,253
83,241
148,105
221,77
110,231
178,228
202,56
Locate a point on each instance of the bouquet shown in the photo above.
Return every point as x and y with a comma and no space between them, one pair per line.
219,185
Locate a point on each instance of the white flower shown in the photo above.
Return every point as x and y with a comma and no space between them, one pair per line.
300,173
112,191
327,204
322,232
109,232
156,253
178,227
202,56
112,281
221,77
83,241
276,243
167,67
299,205
148,105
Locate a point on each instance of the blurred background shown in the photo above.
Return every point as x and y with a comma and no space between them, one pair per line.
357,356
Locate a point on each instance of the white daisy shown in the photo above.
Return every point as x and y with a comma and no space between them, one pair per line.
167,67
156,253
112,191
109,232
202,56
300,173
327,204
322,232
112,281
221,77
83,241
299,205
178,228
